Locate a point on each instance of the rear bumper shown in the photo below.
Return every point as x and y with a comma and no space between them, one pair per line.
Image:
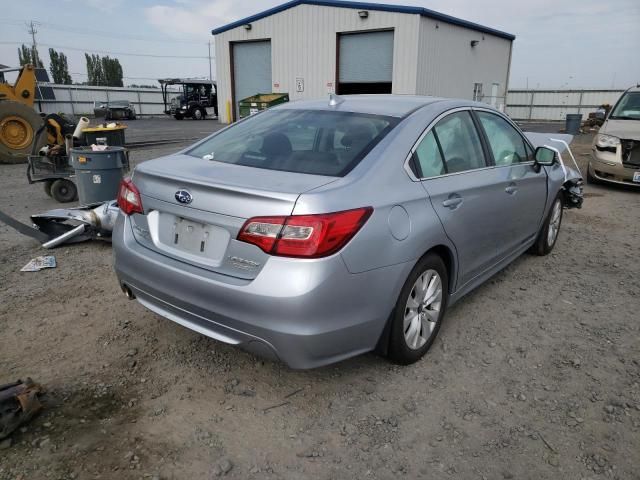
306,313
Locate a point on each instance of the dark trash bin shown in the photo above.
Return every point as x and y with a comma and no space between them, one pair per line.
573,122
98,173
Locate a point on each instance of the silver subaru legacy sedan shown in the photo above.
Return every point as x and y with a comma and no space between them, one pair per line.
319,230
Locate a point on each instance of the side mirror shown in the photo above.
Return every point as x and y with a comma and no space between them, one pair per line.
545,156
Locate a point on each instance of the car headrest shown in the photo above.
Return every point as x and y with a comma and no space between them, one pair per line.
358,135
276,144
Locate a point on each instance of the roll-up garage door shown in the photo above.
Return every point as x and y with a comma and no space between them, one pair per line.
365,62
251,70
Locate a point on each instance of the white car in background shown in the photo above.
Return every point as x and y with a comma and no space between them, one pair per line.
615,154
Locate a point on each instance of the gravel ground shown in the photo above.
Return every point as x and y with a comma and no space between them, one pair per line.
536,374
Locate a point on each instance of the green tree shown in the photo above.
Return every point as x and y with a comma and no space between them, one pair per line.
59,67
24,55
95,75
29,55
103,71
112,72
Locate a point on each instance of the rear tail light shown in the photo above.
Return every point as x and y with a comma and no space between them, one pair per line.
304,236
129,199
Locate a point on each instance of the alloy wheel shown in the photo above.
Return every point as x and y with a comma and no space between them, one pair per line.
554,223
422,309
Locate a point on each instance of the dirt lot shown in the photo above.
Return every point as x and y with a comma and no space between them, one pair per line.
534,375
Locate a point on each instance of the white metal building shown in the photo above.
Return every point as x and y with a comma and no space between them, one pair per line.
308,48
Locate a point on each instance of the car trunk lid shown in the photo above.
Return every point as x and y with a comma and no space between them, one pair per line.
201,229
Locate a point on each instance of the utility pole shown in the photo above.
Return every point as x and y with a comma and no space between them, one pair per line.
210,75
31,29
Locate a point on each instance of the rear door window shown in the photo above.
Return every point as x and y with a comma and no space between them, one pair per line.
316,142
459,143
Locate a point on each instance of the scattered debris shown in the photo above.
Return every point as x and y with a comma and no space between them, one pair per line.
39,263
69,225
23,229
547,444
18,404
295,392
275,406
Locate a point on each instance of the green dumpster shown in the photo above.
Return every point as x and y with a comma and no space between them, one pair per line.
261,101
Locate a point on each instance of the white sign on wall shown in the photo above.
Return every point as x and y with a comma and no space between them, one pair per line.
299,84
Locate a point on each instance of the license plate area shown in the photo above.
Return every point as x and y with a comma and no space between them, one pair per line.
188,239
192,237
636,177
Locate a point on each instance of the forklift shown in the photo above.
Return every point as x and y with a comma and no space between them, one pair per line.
197,98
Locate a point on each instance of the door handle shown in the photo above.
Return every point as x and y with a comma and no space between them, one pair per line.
511,189
452,202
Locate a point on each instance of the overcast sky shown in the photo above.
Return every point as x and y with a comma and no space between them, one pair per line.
559,44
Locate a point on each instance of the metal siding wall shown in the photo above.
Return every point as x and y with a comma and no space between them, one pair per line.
553,105
448,66
599,98
303,45
519,98
79,99
518,112
557,98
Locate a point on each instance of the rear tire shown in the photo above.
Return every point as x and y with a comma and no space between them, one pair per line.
64,191
419,311
47,187
197,114
550,231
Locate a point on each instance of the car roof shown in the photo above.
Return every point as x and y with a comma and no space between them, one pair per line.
389,105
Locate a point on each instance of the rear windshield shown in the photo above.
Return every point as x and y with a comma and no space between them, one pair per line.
317,142
627,108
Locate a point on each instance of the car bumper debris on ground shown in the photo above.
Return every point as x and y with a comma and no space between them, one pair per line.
69,225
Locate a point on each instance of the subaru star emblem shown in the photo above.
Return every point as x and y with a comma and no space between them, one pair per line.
183,196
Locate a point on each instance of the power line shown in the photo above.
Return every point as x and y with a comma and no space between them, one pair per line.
101,33
104,52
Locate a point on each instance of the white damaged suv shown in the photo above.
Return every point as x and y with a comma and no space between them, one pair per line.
615,156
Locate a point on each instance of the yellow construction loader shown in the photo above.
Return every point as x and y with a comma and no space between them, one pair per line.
19,122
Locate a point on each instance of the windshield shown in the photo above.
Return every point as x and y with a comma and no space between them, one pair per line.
627,108
304,141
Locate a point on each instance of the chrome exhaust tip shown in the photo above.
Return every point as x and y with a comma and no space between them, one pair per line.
127,292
